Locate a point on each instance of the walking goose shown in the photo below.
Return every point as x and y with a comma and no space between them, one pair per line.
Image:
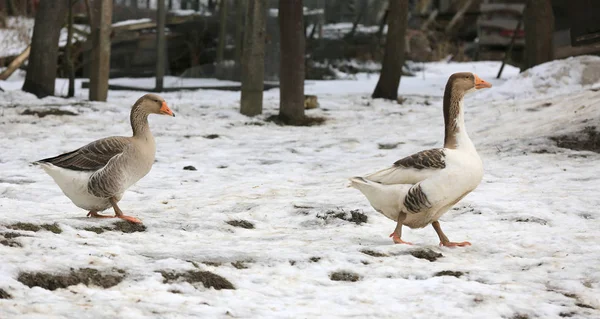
96,175
417,190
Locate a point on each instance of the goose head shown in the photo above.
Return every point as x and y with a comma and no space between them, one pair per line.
466,82
153,104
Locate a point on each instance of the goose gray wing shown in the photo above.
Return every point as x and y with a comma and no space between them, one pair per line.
91,157
412,169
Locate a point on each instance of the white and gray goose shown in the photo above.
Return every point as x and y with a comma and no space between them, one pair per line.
96,175
417,190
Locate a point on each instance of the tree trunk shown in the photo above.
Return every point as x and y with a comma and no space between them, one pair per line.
43,60
160,45
100,54
68,54
539,29
134,4
291,72
253,60
393,57
222,30
240,11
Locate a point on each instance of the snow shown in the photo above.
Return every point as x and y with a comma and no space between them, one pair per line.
16,36
172,82
533,221
553,78
338,30
130,22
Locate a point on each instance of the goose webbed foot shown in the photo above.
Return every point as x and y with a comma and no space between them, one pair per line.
397,234
96,215
119,213
398,240
444,241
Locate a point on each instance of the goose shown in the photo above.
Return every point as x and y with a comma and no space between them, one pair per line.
418,189
95,176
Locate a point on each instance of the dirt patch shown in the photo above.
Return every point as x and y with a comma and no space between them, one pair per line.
189,168
542,151
240,223
208,279
354,216
35,228
211,136
97,230
254,123
127,227
43,113
388,146
12,235
122,226
583,305
306,121
567,314
212,263
240,264
531,220
10,243
519,316
373,253
344,276
427,254
315,259
586,140
452,273
7,239
4,294
86,276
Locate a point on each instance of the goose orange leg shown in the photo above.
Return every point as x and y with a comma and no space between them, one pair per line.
96,215
397,234
444,241
119,213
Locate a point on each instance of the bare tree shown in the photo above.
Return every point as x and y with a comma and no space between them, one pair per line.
222,30
240,11
100,54
393,57
43,60
253,59
291,72
539,28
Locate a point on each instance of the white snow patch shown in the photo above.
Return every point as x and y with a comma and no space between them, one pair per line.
130,22
553,78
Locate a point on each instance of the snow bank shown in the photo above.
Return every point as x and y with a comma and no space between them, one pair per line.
553,78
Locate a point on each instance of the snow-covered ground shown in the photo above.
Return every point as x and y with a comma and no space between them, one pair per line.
533,221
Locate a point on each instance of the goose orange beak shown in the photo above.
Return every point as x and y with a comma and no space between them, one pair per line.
481,84
164,109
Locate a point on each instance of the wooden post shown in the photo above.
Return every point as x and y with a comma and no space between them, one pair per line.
68,54
100,65
160,45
